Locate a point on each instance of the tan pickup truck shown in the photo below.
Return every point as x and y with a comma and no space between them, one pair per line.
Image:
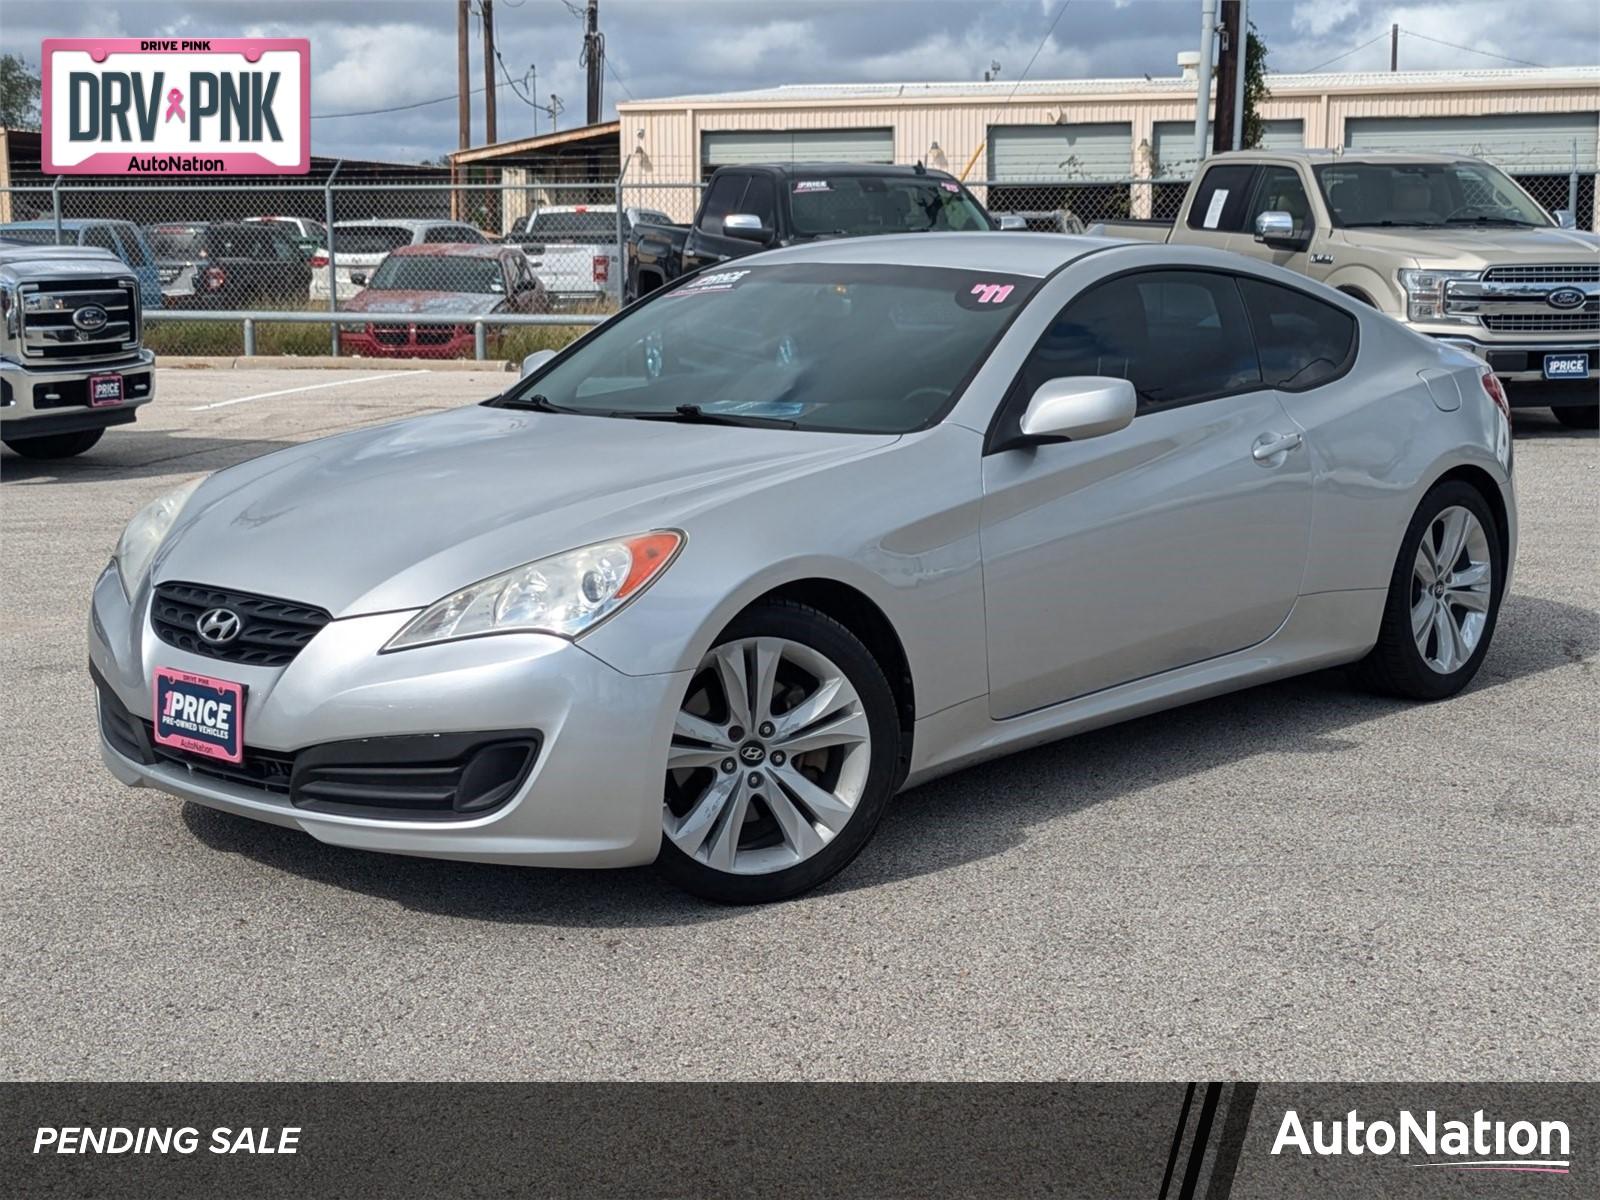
1448,245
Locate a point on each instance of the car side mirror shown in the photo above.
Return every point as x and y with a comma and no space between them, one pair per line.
359,278
1566,218
1078,407
1277,229
746,227
497,286
1010,223
534,361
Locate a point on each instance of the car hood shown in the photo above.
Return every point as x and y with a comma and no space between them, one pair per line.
1471,247
384,301
397,516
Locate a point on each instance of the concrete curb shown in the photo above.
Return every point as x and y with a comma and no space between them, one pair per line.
322,362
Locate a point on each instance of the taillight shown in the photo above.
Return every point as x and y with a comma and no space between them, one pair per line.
215,277
1497,393
602,268
319,259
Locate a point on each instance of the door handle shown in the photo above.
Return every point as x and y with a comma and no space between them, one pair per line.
1270,445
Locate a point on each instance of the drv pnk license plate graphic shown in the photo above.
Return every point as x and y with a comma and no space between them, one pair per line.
199,714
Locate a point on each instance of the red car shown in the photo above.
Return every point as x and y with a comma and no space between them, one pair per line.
451,277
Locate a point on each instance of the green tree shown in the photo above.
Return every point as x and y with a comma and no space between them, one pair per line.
1255,90
19,93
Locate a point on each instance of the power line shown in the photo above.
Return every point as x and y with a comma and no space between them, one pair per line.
1039,47
1346,54
1471,49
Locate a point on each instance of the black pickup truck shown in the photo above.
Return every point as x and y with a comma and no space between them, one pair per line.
746,209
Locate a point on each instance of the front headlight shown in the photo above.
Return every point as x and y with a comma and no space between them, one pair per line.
565,594
1424,291
145,533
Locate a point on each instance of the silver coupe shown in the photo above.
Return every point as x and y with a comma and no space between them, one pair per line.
712,584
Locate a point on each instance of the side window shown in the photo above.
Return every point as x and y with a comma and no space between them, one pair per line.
466,233
722,199
99,236
1303,343
1178,336
1219,201
439,233
761,198
1279,190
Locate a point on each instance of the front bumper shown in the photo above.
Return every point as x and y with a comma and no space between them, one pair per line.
1523,361
591,799
47,399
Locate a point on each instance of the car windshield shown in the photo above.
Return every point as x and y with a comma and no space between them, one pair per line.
1361,194
177,242
861,205
574,227
858,348
370,239
438,273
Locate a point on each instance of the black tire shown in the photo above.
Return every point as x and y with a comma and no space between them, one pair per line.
1395,666
1578,416
803,624
55,445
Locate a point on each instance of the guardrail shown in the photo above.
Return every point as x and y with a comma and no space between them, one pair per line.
479,321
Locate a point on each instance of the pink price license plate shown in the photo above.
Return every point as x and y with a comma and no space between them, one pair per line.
199,714
104,390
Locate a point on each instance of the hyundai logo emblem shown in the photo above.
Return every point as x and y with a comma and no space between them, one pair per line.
752,753
1567,297
218,626
90,318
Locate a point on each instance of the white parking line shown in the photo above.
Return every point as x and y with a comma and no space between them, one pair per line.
310,387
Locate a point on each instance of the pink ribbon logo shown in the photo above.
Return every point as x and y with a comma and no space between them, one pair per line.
175,105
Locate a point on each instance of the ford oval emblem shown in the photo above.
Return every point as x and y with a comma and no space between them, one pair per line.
90,318
1567,297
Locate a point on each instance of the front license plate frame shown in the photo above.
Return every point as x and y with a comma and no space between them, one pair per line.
205,727
115,391
1566,366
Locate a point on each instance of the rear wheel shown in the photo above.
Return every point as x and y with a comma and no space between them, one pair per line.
1578,416
1444,597
782,759
55,445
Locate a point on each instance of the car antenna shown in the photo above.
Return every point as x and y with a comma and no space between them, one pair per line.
919,168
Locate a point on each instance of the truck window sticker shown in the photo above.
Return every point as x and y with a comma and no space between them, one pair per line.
812,185
1214,209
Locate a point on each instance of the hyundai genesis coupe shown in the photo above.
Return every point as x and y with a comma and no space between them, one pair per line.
710,585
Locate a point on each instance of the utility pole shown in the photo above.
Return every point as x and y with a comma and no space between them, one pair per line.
594,57
1230,61
488,72
1202,102
1241,74
1394,48
463,84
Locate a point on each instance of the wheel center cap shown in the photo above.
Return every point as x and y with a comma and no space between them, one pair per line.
1438,589
752,754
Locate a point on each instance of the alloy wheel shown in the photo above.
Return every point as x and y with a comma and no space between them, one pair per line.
1451,589
769,759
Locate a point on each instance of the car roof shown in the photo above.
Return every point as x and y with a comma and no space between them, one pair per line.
847,168
68,223
1031,254
455,250
1325,157
401,222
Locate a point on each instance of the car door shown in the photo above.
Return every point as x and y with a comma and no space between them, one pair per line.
1216,212
1278,187
706,243
1177,539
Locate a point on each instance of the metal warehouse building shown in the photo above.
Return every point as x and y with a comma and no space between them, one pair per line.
1107,143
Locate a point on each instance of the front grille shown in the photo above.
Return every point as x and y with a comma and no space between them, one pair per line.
1545,273
271,631
269,770
1544,322
434,335
390,335
48,332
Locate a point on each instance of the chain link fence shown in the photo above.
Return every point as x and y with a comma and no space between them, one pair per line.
431,268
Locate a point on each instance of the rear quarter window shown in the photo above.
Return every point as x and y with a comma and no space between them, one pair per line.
1302,341
1220,200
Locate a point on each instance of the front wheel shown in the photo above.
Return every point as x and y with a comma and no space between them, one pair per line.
783,757
1444,598
55,445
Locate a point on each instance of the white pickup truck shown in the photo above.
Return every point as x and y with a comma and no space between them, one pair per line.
573,249
1450,246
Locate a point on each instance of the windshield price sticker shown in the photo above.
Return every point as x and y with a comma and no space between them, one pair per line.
985,295
717,281
950,187
812,185
1214,209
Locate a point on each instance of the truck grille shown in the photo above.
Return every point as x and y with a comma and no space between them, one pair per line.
271,631
52,330
1545,273
1546,322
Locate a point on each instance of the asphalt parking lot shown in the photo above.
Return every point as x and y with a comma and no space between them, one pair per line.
1295,882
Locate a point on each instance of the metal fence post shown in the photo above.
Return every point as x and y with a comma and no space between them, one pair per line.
621,237
479,349
333,267
249,337
55,206
1572,183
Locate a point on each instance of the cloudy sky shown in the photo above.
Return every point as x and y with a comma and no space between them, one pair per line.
384,53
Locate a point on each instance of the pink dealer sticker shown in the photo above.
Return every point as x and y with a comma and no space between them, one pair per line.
165,106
